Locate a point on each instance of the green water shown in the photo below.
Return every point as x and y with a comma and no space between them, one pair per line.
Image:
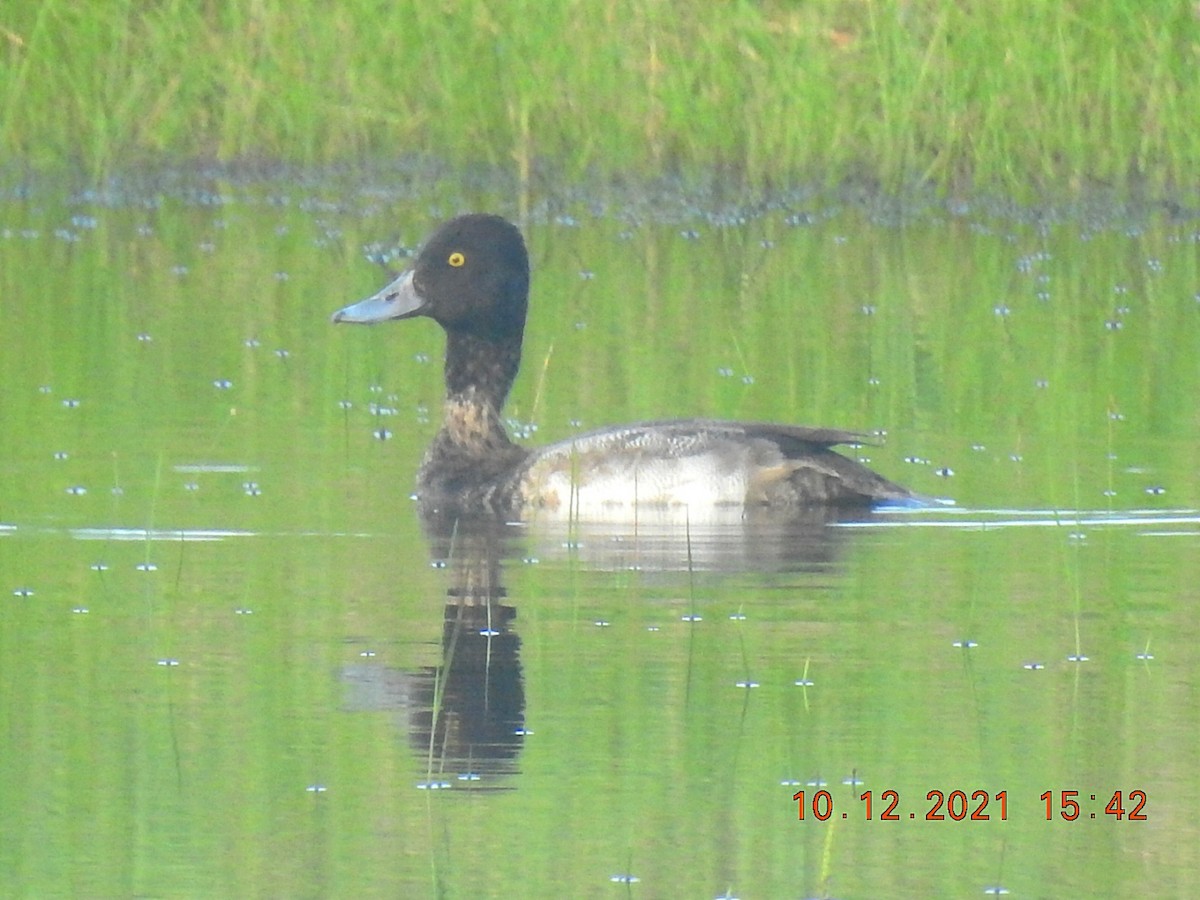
222,626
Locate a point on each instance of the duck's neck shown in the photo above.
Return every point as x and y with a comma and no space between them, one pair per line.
479,373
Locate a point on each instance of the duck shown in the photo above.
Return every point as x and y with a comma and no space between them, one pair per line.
472,277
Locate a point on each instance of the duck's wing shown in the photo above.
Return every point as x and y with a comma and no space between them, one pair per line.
675,438
703,462
802,437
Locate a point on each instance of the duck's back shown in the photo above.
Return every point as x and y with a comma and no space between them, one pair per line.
699,463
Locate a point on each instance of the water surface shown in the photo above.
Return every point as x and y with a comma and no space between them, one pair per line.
234,661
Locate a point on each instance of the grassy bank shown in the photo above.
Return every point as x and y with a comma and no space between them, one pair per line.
1015,95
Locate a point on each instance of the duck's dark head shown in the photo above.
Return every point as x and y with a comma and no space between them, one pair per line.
472,275
472,278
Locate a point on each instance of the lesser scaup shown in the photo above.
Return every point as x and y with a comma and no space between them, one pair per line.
472,278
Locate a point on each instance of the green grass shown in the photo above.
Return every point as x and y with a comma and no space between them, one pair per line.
972,94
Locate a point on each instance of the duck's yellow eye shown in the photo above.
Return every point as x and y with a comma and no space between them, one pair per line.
456,259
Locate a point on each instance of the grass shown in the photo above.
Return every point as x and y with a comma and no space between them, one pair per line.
967,94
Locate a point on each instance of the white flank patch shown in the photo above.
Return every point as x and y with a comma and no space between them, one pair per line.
693,484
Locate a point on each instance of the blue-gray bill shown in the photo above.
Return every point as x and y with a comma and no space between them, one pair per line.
397,300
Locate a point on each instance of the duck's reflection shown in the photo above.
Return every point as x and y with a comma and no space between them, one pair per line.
465,717
729,540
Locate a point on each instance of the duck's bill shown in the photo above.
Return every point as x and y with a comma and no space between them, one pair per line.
396,301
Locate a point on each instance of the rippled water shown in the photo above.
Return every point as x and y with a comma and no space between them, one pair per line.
235,662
